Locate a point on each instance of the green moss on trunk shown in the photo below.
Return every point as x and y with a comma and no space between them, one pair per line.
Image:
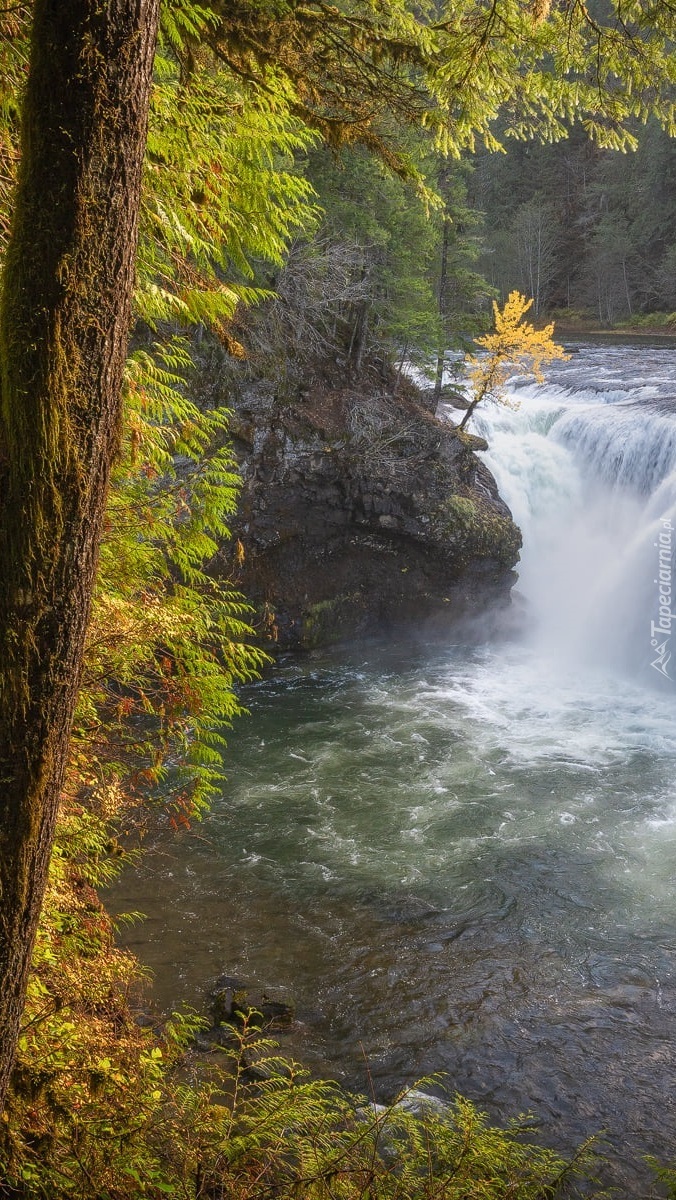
64,323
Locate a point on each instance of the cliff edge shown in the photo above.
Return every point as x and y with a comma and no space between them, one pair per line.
361,510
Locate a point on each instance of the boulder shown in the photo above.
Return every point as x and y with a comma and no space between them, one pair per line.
361,510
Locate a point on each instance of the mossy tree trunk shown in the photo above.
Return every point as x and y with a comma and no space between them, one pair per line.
64,323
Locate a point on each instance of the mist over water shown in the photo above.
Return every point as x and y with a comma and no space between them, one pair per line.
587,463
463,857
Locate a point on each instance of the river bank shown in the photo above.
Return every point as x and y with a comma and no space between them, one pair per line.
625,333
458,855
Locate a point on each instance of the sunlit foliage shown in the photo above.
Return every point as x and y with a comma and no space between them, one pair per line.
99,1107
515,346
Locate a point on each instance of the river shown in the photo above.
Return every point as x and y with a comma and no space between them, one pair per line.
462,857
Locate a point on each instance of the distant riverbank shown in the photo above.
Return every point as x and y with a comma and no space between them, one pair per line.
569,328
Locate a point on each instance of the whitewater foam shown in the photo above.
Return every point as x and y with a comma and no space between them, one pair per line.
587,464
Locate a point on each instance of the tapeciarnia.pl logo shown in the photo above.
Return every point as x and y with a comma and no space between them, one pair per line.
660,630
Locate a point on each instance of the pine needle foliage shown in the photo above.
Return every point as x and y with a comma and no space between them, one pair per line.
452,68
514,346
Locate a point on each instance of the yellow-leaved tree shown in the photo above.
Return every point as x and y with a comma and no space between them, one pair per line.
514,346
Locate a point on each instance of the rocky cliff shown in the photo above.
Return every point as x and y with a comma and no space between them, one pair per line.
361,510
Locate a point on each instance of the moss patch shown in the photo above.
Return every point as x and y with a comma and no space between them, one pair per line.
477,529
331,620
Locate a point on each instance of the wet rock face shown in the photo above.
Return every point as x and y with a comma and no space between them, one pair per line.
359,511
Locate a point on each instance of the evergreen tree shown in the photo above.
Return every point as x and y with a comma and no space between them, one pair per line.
388,227
582,228
461,290
514,345
66,298
353,74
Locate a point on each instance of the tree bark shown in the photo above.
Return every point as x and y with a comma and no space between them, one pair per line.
64,325
443,284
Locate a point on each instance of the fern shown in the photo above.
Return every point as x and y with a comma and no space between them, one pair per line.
168,643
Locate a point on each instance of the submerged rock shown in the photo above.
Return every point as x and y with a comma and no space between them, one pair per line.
361,511
232,1003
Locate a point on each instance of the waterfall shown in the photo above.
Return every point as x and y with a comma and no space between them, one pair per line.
484,828
587,463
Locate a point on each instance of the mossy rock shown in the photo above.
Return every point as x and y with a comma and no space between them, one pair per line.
471,441
331,620
479,529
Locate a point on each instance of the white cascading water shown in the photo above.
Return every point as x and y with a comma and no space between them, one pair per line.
460,857
587,463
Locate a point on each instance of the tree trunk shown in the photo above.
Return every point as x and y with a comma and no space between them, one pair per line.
64,324
400,368
443,284
358,342
469,412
